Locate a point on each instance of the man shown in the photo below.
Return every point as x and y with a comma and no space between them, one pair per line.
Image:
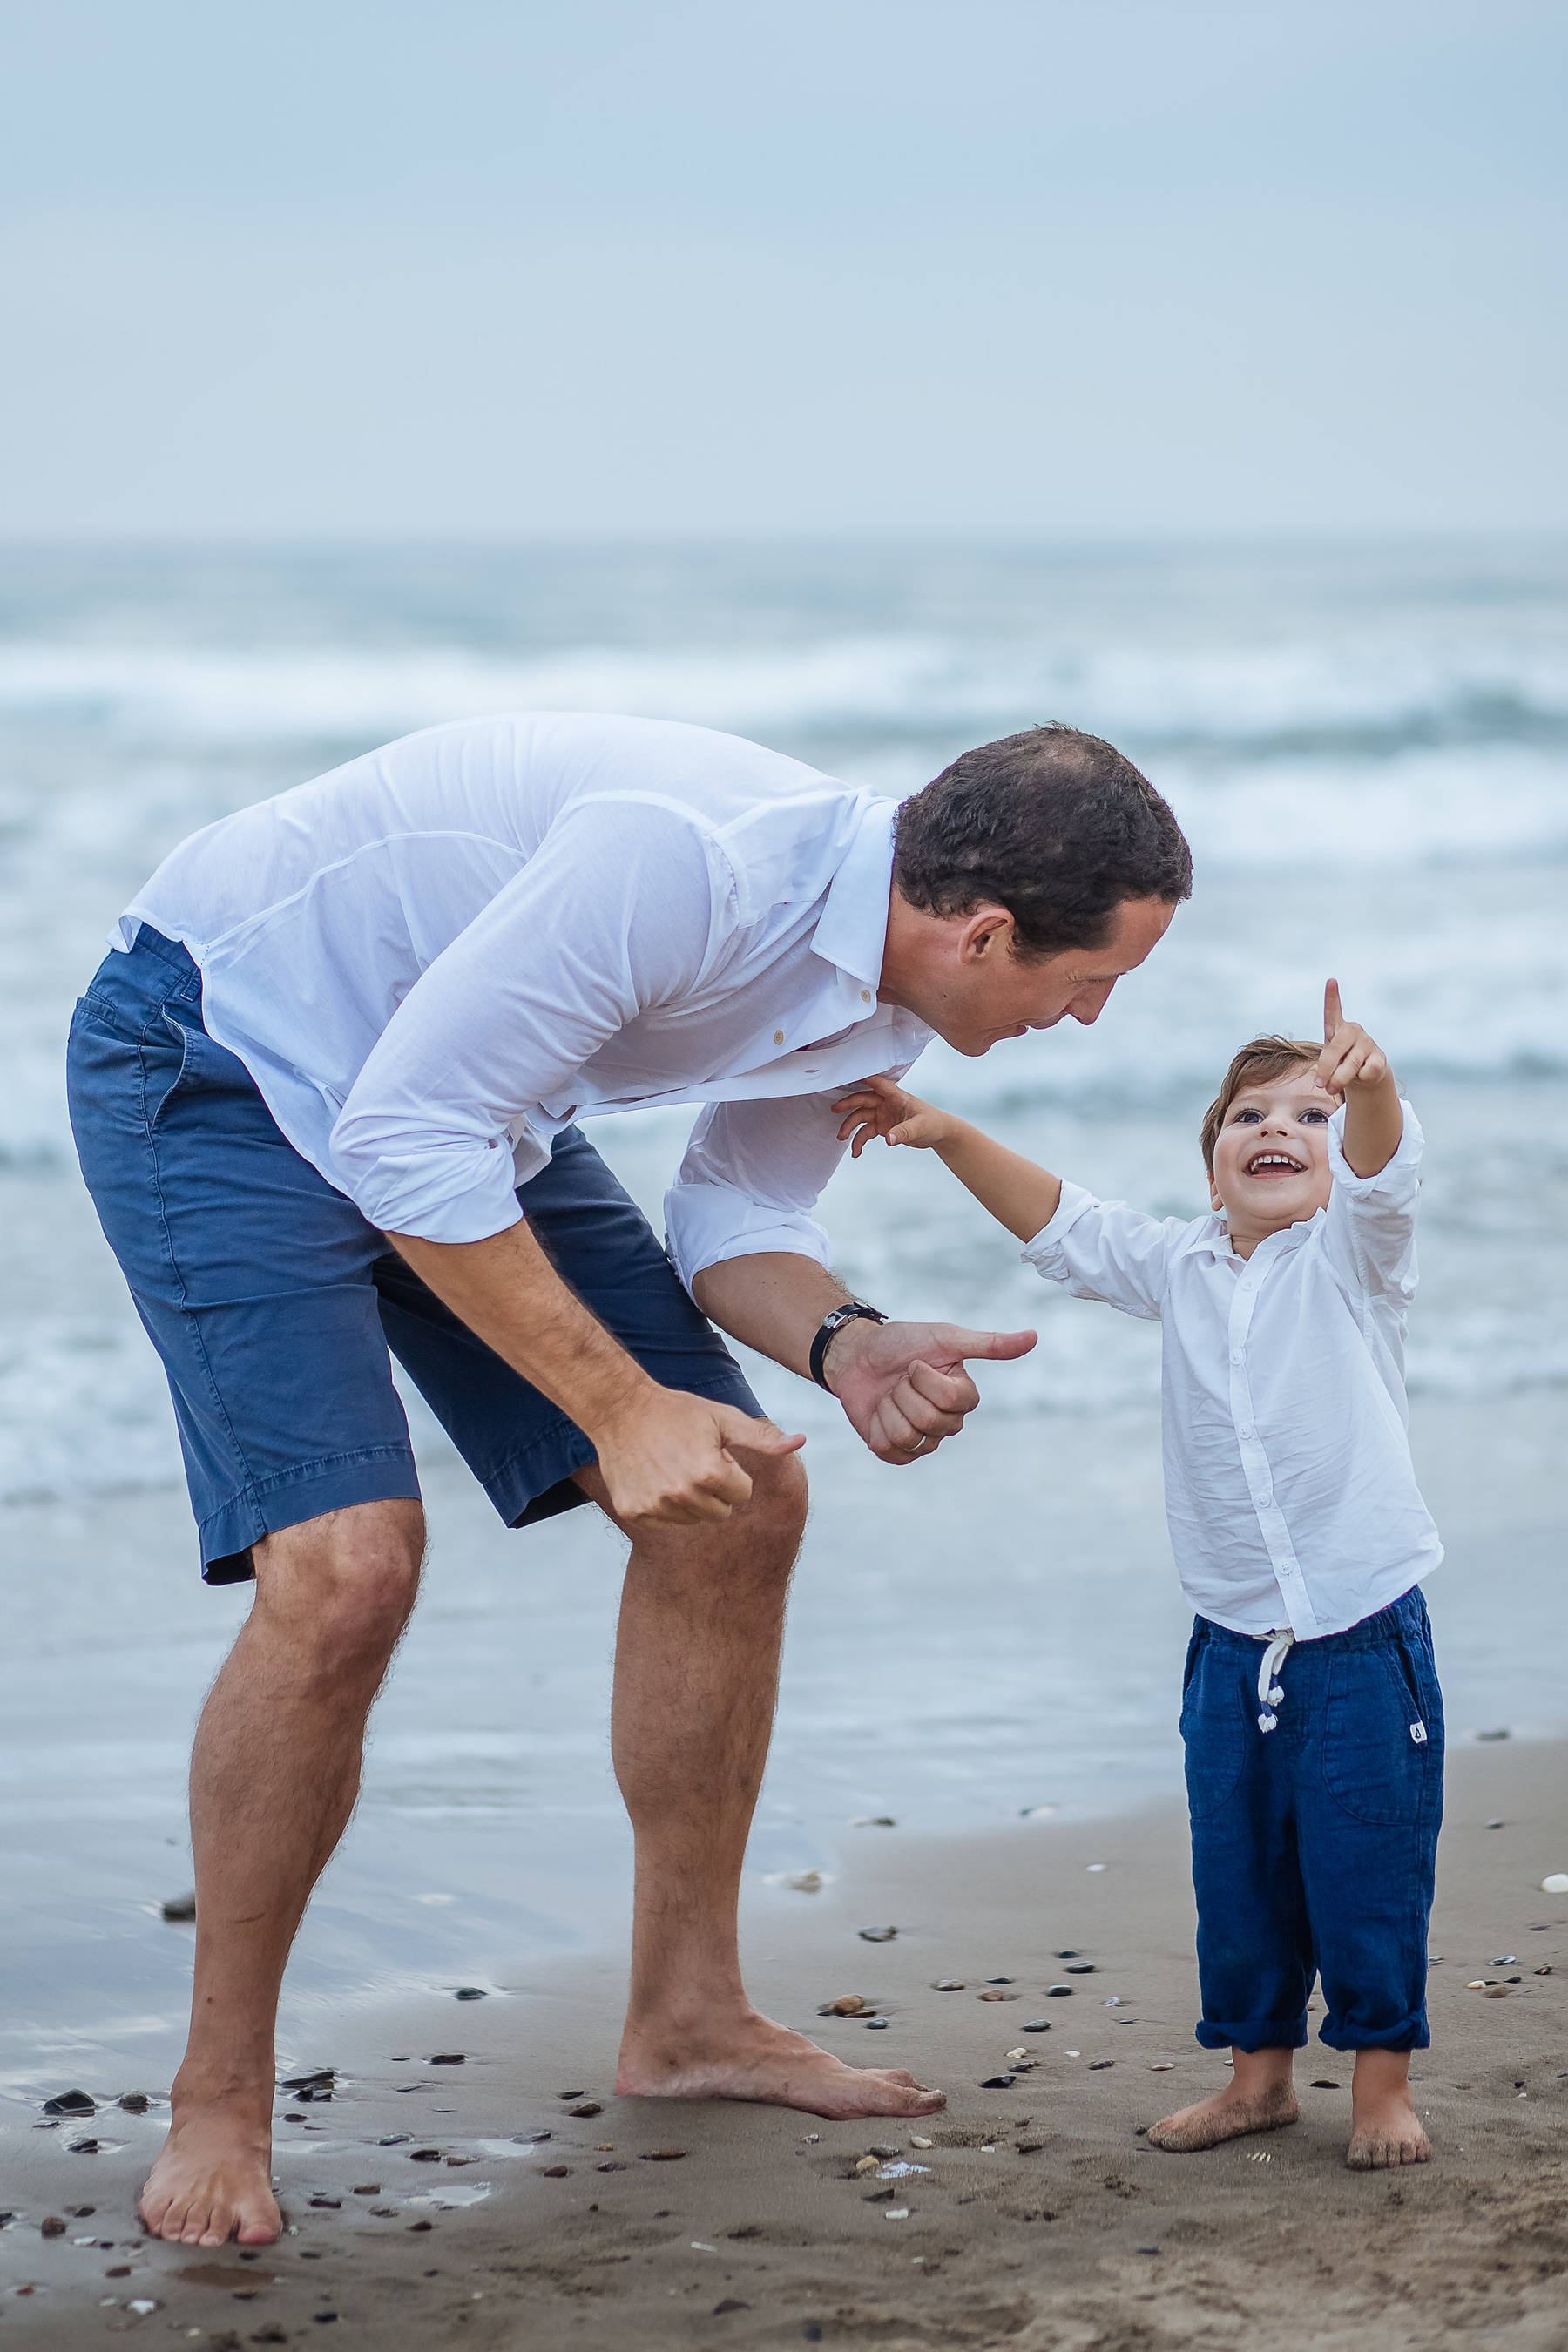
324,1095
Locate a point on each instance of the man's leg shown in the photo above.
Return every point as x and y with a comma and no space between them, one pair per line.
275,1773
696,1680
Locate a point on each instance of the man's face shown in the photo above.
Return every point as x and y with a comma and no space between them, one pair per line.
983,991
1271,1156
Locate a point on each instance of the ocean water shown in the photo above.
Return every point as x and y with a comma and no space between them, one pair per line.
1369,748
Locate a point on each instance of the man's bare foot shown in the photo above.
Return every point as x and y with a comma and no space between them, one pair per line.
1260,2096
212,2182
1385,2130
749,2057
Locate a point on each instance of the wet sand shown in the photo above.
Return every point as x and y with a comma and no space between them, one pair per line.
1041,2219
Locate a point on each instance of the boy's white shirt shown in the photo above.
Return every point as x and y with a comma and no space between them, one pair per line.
1290,1492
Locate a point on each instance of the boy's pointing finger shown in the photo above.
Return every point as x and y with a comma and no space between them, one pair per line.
1332,1016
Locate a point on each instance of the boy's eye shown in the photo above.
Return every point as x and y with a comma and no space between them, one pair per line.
1247,1118
1314,1119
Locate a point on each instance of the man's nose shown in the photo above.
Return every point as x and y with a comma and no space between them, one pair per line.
1090,1003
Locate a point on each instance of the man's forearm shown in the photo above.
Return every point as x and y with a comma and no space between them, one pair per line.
507,1292
773,1301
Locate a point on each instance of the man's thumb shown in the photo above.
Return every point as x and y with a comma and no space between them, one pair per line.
756,1436
999,1346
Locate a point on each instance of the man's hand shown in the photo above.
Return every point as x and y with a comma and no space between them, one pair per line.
875,1106
669,1458
903,1386
1355,1067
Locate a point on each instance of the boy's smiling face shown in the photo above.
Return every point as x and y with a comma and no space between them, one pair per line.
1271,1156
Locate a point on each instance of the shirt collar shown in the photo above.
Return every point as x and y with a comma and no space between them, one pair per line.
1210,1236
852,930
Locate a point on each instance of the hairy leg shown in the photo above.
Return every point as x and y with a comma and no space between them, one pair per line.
274,1777
1260,2096
696,1681
1386,2131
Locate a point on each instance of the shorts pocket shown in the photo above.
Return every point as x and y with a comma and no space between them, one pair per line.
1214,1729
188,1064
1382,1744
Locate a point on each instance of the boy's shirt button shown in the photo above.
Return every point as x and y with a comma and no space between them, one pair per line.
1236,1356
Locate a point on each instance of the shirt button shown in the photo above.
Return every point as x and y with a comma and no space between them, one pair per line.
1236,1356
1246,1430
778,1037
865,996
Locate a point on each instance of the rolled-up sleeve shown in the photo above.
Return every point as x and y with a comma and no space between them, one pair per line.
1106,1251
614,912
1369,1228
749,1178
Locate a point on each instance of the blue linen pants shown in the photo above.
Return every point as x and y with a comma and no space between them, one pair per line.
1314,1842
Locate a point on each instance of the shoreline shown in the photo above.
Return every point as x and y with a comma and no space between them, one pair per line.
1032,2225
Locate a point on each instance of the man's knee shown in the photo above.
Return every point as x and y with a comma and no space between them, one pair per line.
344,1584
774,1517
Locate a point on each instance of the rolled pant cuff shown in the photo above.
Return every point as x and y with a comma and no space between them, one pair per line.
1407,2034
1252,2033
372,1473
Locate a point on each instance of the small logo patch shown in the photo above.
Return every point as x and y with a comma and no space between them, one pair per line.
1419,1733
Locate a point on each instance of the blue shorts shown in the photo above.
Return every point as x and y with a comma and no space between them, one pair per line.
1315,1841
273,1304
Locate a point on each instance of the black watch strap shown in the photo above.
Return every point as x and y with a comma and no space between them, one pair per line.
852,1311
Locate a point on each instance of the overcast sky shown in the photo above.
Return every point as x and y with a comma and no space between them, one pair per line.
1038,268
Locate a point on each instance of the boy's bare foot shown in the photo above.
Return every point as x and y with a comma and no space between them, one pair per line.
1258,2097
213,2180
1385,2130
750,2057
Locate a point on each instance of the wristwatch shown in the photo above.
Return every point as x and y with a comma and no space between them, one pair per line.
853,1309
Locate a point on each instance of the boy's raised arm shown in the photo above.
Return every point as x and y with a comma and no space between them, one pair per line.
1019,1195
1352,1066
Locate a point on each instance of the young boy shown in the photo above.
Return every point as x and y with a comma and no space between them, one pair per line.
1311,1710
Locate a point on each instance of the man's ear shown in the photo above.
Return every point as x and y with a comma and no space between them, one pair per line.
986,935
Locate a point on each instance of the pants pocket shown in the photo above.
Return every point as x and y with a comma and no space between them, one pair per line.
1383,1739
1214,1730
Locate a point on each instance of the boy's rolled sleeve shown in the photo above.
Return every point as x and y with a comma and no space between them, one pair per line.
1106,1251
1370,1226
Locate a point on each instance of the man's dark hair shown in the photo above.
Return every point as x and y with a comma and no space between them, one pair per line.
1053,824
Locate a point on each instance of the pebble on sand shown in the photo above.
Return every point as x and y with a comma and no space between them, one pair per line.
180,1909
873,1821
877,1935
876,2024
1557,1884
1038,2025
51,2226
135,2103
995,1993
949,1984
471,1993
449,2057
998,2082
587,2108
847,2004
664,2154
71,2103
1058,1992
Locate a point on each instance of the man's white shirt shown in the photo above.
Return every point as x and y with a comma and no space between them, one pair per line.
1289,1486
434,958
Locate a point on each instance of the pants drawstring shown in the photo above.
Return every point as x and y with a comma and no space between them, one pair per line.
1269,1691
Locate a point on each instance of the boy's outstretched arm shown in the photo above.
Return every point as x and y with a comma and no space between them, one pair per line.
1352,1066
1019,1195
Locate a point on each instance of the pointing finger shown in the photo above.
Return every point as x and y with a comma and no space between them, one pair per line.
1332,1016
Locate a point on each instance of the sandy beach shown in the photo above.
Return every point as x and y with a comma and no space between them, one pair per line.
511,2200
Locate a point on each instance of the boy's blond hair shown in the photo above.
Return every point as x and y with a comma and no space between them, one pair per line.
1257,1065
